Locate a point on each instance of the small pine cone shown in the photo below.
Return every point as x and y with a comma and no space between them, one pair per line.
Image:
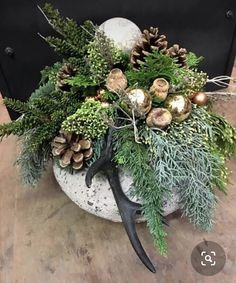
179,53
150,40
71,149
65,72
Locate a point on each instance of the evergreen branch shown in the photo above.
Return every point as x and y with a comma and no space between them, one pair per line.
17,105
201,129
156,65
25,108
19,126
192,60
62,47
47,82
14,128
81,81
90,120
189,168
98,147
75,37
182,80
133,157
53,17
32,164
224,135
43,113
43,134
102,56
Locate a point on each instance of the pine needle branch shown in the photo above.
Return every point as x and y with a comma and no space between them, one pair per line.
32,164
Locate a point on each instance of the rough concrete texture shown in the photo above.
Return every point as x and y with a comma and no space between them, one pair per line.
46,238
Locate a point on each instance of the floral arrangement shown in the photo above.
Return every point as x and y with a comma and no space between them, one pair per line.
151,96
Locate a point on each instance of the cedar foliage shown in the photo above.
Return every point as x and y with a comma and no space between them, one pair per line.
187,168
158,65
134,158
192,60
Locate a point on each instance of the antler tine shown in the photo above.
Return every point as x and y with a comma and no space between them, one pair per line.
127,211
100,162
126,207
94,169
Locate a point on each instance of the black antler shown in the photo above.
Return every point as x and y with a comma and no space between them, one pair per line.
126,207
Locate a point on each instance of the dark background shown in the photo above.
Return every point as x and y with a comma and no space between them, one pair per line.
207,28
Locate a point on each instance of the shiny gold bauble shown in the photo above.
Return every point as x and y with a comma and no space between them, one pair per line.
200,98
179,106
140,101
159,118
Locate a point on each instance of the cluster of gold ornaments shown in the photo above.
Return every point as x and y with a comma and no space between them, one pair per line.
175,108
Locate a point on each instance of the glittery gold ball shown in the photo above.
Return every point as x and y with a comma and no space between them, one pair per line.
140,101
179,106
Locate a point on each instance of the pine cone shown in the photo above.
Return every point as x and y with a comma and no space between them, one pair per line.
65,72
71,149
150,41
179,53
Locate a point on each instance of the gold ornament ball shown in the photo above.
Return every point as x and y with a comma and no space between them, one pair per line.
179,106
200,98
140,101
159,118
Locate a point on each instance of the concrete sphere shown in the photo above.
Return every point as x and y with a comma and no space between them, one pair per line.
122,31
99,199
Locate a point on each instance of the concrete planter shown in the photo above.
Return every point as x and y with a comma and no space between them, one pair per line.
99,199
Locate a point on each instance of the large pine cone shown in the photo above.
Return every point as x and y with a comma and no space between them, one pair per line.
150,40
71,149
179,53
65,72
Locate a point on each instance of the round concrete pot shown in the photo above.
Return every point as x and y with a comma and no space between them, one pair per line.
99,199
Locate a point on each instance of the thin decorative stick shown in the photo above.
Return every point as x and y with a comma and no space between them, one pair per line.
222,81
44,38
50,23
224,95
136,137
87,30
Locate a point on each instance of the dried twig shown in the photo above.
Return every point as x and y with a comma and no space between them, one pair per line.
223,95
222,81
48,20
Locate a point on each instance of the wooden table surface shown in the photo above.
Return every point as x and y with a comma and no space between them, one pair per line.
45,238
